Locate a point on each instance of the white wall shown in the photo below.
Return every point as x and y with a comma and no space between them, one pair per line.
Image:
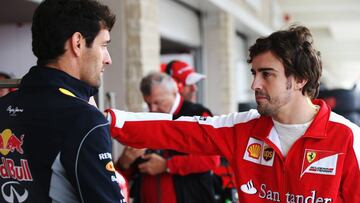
114,76
179,23
243,77
16,56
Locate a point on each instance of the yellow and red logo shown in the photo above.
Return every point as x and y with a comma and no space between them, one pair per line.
310,156
9,142
254,150
110,166
320,162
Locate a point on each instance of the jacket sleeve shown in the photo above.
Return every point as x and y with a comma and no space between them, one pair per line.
187,164
209,135
94,172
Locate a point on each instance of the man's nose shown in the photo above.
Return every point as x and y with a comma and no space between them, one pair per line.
256,83
107,58
153,108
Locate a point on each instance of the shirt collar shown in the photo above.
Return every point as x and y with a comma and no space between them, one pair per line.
177,104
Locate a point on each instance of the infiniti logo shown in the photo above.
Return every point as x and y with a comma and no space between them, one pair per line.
13,193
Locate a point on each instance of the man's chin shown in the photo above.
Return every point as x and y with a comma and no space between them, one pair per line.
262,110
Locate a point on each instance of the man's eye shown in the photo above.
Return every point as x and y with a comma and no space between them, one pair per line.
266,74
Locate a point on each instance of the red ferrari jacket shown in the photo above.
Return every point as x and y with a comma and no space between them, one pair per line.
322,166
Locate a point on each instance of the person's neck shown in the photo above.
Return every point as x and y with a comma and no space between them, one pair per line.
300,111
67,66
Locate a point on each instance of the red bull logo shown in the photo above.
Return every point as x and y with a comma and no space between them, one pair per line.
9,142
8,169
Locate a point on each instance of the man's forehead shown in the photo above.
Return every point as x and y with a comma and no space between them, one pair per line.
104,35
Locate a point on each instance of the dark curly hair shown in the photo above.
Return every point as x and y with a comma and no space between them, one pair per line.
55,21
294,48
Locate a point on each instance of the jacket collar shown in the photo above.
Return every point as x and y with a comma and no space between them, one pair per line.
317,128
45,77
175,109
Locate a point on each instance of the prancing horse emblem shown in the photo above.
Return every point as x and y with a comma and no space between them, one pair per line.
310,156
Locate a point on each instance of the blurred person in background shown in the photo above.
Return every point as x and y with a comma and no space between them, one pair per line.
4,91
186,79
167,175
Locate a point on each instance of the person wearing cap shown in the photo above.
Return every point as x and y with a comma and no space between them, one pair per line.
186,78
167,175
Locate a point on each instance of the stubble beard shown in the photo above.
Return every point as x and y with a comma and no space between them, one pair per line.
265,110
273,105
263,107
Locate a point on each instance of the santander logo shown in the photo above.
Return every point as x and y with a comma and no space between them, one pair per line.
248,188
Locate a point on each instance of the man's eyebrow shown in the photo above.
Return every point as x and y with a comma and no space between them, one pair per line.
263,69
266,69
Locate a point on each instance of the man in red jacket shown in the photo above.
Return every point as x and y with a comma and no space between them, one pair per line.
167,175
291,149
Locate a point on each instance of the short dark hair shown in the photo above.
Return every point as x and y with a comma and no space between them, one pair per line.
294,48
55,21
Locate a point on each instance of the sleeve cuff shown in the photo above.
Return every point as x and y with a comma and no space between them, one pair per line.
114,117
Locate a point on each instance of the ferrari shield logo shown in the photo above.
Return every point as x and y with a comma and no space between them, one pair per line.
310,156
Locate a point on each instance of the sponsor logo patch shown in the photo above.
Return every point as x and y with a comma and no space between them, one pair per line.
254,150
9,142
8,169
14,110
105,155
110,166
13,192
310,156
202,118
265,192
319,162
268,153
259,152
248,188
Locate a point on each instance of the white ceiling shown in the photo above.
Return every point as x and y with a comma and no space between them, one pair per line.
335,25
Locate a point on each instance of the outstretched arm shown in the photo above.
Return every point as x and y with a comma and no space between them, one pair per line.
194,135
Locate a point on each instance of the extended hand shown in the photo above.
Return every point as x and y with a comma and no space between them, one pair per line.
129,155
155,164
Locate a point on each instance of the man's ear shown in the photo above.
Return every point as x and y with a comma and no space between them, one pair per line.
300,83
77,43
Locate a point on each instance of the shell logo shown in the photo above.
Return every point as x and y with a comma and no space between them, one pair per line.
254,150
